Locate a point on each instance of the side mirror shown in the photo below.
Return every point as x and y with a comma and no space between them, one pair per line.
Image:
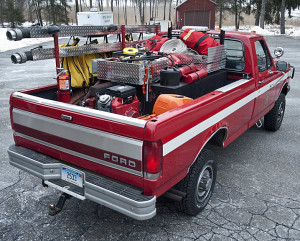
278,52
282,66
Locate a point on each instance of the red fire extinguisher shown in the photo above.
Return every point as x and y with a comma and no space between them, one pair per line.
64,87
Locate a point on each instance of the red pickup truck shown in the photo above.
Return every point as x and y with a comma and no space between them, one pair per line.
125,162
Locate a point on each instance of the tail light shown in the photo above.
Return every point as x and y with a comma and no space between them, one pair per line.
152,159
11,110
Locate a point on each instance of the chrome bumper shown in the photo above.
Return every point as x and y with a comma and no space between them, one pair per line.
111,193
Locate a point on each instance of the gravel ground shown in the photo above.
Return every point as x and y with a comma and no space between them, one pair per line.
256,196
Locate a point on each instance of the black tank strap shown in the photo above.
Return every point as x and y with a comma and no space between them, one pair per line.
200,41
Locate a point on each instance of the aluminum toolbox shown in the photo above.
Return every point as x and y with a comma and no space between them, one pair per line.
133,73
129,73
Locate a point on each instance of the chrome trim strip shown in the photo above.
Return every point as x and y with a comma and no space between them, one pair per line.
96,160
233,85
196,130
116,144
82,110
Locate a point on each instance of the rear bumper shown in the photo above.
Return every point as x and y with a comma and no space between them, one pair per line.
111,193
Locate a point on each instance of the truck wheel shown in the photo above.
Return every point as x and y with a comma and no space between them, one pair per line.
198,184
273,120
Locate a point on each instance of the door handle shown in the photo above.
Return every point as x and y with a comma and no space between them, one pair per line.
67,117
260,82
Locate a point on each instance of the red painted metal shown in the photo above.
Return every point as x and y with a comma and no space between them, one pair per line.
75,160
60,96
156,29
268,98
75,146
56,52
10,110
195,5
123,36
120,108
81,119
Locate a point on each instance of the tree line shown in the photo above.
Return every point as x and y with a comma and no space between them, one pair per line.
19,11
264,11
60,11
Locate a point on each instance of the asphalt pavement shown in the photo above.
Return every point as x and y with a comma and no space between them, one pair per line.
257,195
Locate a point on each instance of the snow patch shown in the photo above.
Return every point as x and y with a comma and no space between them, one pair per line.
296,33
264,32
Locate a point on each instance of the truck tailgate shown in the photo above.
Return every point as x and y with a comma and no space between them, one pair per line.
102,142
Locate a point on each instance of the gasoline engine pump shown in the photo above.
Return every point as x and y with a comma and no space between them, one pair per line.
120,99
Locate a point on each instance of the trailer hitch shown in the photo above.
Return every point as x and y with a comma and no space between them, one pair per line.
55,209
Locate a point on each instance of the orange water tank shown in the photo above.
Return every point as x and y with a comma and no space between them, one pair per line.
166,102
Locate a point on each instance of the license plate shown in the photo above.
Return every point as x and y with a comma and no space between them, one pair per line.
72,176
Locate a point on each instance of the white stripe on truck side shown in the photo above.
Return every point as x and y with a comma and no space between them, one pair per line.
204,125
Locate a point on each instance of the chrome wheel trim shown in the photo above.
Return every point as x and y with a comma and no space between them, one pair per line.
204,184
280,112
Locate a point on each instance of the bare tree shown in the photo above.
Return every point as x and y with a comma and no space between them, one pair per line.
220,16
134,8
80,2
165,4
100,5
2,13
125,12
38,10
118,6
141,8
156,11
170,10
153,13
262,14
282,17
150,8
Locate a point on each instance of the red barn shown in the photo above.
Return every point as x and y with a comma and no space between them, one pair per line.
196,13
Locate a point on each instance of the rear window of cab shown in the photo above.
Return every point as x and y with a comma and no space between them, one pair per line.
235,57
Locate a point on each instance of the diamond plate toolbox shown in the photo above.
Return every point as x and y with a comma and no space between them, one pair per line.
129,73
216,58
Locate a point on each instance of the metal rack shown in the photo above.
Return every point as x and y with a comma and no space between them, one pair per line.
64,31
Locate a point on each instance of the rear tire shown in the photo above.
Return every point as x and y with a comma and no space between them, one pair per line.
198,184
273,120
